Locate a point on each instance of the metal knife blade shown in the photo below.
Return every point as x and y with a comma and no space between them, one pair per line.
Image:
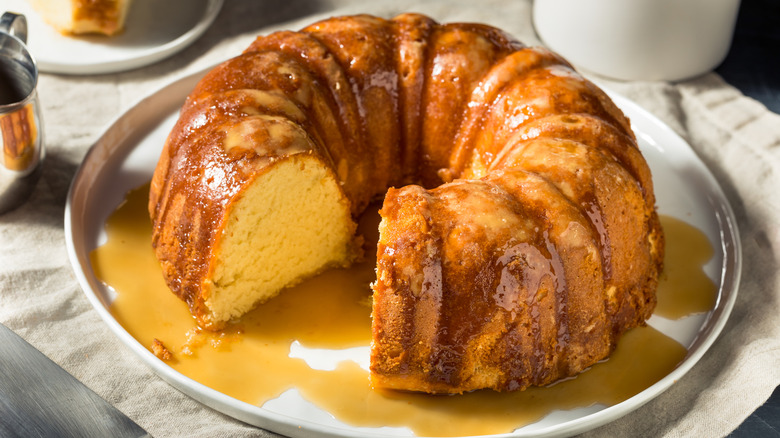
39,398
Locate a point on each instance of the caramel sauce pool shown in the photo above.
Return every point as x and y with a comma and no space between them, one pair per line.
251,361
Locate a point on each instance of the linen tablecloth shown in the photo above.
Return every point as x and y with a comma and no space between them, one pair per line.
737,138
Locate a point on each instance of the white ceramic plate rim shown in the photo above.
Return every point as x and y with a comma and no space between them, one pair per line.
124,59
122,135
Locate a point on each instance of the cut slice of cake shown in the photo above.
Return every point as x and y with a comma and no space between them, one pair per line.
75,17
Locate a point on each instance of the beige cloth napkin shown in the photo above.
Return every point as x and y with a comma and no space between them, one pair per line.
737,137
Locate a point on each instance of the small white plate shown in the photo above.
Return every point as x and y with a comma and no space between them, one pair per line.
154,30
125,156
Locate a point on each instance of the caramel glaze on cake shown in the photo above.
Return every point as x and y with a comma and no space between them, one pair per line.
522,242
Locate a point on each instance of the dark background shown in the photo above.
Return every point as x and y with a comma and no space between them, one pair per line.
753,63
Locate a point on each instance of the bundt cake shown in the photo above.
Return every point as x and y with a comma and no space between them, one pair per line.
522,242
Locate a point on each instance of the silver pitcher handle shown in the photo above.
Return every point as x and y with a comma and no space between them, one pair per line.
14,24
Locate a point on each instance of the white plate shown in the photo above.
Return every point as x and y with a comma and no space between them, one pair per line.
125,156
154,30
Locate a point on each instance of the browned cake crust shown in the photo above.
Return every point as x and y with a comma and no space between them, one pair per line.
531,242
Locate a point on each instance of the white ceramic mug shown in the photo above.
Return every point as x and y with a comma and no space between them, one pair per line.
638,39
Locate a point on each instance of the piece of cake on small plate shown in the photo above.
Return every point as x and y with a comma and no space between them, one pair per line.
76,17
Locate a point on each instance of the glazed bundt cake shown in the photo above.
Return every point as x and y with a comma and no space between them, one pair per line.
522,242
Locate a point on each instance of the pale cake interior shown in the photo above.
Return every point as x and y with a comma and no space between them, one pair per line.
58,13
292,222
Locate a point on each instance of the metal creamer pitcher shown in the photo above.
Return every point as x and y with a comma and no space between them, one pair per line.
21,127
